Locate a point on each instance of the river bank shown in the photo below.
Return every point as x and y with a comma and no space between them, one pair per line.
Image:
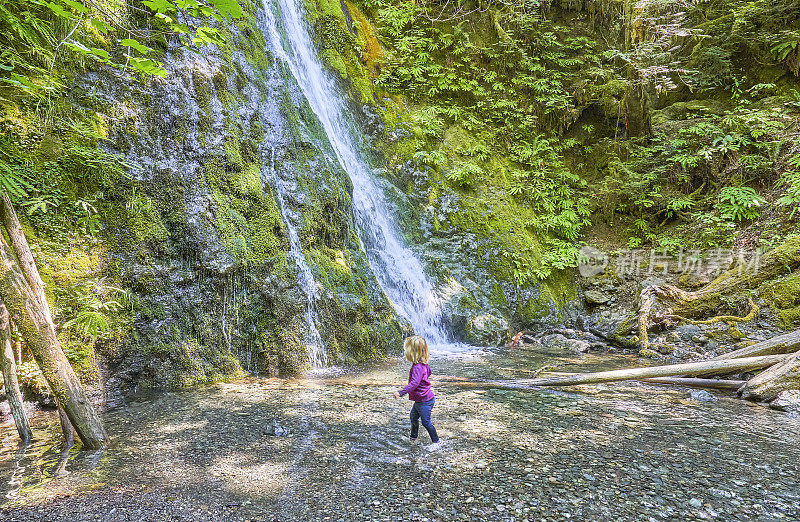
336,449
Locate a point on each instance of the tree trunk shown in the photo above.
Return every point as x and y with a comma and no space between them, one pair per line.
24,255
717,384
30,272
714,384
768,384
673,370
37,328
66,428
9,368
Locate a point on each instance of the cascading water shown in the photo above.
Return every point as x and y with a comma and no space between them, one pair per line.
316,348
396,267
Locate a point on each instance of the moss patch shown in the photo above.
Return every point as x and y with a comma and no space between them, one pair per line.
784,295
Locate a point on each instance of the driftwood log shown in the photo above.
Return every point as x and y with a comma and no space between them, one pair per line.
786,343
673,370
717,384
768,384
693,382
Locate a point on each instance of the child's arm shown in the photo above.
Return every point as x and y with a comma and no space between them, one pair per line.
413,381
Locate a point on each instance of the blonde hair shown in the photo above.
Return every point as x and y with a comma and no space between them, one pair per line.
416,349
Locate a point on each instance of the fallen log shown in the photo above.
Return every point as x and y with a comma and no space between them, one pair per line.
690,382
768,384
786,343
715,384
673,370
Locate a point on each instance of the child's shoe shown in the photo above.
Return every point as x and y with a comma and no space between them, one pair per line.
435,446
414,441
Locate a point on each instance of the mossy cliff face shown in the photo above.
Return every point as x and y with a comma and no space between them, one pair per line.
199,235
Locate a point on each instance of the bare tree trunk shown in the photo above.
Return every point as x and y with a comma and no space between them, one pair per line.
66,428
20,245
37,328
31,274
714,384
16,344
9,368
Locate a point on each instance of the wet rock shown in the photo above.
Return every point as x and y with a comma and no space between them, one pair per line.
687,331
663,348
276,430
787,401
701,396
596,297
649,354
488,329
562,343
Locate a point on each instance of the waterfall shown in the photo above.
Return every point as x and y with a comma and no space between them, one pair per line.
395,266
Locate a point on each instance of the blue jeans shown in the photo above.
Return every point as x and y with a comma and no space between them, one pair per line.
422,410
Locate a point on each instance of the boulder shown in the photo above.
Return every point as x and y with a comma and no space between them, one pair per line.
596,297
563,344
488,330
787,401
701,396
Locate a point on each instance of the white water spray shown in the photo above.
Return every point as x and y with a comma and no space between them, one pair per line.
396,267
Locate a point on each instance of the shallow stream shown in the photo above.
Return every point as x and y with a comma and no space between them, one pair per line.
620,451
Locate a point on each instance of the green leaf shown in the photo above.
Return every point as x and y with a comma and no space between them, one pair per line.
160,6
206,35
100,25
228,8
59,11
129,42
77,6
148,66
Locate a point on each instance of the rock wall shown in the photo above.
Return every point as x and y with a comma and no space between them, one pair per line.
217,148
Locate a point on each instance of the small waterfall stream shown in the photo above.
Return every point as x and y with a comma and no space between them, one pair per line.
396,268
316,348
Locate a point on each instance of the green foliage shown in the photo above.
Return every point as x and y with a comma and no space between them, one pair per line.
91,308
791,180
740,203
35,34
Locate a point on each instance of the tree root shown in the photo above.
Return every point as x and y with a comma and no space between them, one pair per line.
754,309
678,305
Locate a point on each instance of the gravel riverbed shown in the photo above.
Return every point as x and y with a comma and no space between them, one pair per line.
337,449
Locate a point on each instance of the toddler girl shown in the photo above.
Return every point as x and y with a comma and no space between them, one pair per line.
419,387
